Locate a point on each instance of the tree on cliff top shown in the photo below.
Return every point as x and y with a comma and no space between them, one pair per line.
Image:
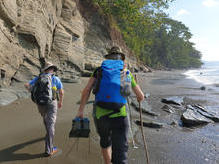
155,39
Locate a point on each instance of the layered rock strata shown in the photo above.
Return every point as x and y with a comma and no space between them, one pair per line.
70,33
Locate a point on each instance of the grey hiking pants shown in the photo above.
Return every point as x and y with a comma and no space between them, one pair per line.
49,113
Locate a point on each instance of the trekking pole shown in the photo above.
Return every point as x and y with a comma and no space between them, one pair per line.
142,131
130,125
143,136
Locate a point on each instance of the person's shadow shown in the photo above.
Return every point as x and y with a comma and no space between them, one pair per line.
9,154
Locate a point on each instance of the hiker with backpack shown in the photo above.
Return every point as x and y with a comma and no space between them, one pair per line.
47,92
111,84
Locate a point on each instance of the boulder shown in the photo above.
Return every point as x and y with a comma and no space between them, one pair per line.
208,112
192,117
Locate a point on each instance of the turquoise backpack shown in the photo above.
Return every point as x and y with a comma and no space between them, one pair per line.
108,92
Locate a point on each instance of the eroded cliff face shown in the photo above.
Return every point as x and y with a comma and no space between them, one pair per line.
70,33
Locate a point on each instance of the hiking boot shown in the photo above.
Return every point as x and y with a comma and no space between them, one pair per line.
54,151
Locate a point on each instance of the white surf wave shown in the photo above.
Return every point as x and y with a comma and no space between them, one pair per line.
206,76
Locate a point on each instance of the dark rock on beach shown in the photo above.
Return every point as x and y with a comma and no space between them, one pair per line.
146,108
193,117
208,112
173,100
203,88
168,108
150,124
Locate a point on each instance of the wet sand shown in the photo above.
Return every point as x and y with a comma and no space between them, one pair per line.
175,144
22,130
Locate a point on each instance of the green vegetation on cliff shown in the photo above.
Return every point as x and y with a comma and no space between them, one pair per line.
156,39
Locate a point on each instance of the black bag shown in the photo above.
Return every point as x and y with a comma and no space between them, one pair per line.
41,92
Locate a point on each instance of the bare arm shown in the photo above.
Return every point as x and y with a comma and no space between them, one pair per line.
85,96
138,92
61,95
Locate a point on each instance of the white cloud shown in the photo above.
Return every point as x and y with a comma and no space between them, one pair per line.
182,12
210,3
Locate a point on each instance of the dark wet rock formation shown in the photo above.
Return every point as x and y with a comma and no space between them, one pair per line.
173,100
146,108
208,112
150,124
203,88
168,109
194,116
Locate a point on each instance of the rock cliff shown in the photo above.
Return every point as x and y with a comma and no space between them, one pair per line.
70,33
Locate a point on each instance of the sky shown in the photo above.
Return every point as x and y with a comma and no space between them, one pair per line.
202,18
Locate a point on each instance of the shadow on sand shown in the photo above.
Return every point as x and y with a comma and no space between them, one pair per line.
9,154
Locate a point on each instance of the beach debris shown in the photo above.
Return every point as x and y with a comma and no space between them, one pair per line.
146,108
173,100
192,117
203,88
168,109
150,124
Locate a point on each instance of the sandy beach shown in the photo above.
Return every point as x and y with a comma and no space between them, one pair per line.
22,130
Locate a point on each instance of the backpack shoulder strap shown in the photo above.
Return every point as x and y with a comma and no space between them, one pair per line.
98,76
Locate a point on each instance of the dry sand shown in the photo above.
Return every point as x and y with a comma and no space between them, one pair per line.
22,130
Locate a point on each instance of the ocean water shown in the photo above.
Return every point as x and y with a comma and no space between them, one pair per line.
208,74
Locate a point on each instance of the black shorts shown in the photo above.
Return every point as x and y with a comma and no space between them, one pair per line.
114,132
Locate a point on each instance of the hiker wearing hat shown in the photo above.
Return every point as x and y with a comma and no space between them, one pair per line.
45,89
110,84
